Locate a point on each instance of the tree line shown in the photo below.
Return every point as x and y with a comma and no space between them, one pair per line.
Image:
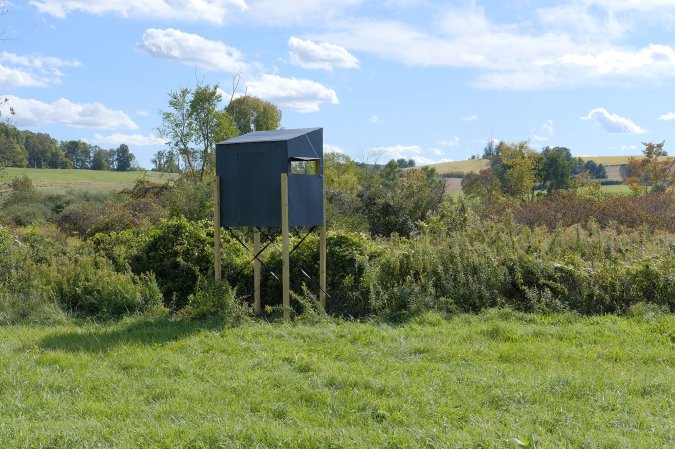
517,171
23,148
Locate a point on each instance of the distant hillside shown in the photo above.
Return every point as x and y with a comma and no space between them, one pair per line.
474,165
611,163
61,180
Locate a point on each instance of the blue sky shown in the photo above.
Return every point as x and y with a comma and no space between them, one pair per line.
429,80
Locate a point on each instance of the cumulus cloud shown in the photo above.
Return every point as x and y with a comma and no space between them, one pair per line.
376,119
137,140
31,71
323,55
327,148
667,116
30,112
450,142
213,11
613,123
192,49
290,93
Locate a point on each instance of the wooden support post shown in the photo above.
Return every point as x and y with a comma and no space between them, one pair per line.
285,274
322,252
256,271
217,247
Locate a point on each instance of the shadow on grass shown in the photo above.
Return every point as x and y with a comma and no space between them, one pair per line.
97,338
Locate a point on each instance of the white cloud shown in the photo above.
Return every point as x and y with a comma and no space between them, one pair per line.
291,93
298,12
137,140
613,123
192,49
31,71
422,160
470,118
543,132
437,152
383,154
509,56
142,113
667,116
450,142
376,119
397,151
325,56
213,11
327,148
648,62
31,112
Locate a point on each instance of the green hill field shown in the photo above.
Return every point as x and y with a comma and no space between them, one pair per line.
59,181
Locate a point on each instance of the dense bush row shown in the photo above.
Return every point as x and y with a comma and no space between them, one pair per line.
150,250
457,262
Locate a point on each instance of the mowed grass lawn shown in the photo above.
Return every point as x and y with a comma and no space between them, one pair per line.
60,181
471,381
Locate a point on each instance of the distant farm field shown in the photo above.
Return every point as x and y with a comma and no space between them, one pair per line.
59,181
474,165
472,381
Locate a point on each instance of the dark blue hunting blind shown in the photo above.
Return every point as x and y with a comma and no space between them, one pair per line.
250,168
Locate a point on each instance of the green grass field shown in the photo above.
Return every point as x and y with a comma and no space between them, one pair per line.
473,381
59,181
621,189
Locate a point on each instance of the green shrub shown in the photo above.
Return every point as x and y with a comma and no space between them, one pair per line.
215,299
91,288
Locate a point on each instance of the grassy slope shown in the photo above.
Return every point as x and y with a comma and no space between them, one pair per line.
474,165
58,181
478,164
475,381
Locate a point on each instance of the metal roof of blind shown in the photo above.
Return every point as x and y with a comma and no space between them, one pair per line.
269,136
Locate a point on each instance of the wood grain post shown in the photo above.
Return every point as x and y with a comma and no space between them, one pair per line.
285,273
217,246
256,271
322,245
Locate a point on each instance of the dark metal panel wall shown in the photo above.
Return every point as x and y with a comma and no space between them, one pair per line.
305,200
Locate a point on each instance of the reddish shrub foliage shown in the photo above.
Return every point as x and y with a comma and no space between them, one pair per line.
564,208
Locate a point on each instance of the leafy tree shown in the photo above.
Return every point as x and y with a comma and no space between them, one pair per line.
44,151
596,171
123,159
193,125
390,172
254,114
556,168
484,184
102,159
395,202
78,152
12,154
516,165
165,161
210,125
341,173
654,169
